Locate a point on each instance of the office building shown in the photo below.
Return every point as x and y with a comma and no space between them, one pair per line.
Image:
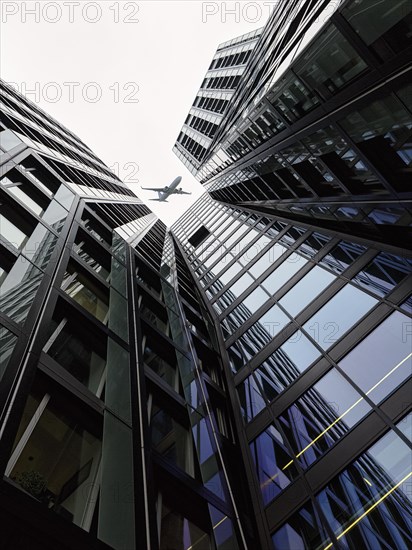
318,129
302,250
241,380
224,76
110,381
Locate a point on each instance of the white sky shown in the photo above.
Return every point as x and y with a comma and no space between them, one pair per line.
164,52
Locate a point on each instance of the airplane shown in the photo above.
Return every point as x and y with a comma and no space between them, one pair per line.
165,192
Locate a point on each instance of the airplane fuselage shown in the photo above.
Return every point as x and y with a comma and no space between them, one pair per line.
168,190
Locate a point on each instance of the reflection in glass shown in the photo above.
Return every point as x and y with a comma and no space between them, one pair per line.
251,400
87,294
176,531
381,24
391,342
303,531
330,63
55,216
384,273
12,233
342,256
40,246
306,290
79,355
323,415
368,505
338,315
57,461
171,439
270,457
19,288
7,342
283,273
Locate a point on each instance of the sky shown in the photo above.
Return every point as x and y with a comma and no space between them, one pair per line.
122,76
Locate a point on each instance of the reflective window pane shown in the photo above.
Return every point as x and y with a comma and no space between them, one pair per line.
317,420
391,342
384,273
306,290
369,505
270,457
338,315
283,273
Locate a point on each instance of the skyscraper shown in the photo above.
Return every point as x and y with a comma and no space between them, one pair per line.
242,379
304,258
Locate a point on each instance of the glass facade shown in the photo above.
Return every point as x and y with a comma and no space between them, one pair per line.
240,380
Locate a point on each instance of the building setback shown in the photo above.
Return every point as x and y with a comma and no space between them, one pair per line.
241,380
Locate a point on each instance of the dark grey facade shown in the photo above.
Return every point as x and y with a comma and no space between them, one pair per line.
241,380
116,431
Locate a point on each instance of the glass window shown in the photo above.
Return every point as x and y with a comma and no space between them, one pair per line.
251,400
40,246
313,244
12,233
9,140
87,294
64,196
384,273
83,357
255,299
391,341
271,457
19,288
306,290
338,315
323,415
273,321
7,342
241,284
18,192
342,256
294,101
162,362
56,461
330,63
302,532
55,216
381,130
262,332
177,531
228,275
254,250
117,388
284,272
117,519
380,22
299,351
268,259
172,440
405,426
369,505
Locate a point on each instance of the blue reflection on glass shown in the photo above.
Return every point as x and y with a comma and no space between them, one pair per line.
300,351
384,273
383,359
270,457
338,315
251,400
306,290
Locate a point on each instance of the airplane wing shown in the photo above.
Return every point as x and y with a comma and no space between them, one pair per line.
159,200
179,192
153,188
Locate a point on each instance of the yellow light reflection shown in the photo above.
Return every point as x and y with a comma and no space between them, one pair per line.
374,505
347,411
